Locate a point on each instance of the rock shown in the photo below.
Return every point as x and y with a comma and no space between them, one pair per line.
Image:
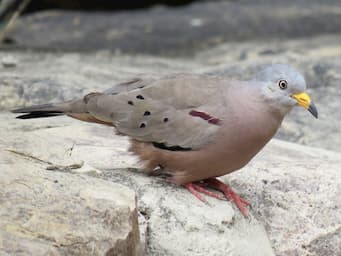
178,31
325,244
175,223
53,213
8,62
294,191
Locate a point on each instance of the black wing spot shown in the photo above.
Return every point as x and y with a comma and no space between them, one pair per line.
140,97
165,119
130,102
171,148
142,125
146,113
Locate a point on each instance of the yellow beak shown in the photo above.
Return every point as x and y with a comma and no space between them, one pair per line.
304,100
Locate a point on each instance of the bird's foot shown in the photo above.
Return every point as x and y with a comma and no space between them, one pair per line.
229,194
198,187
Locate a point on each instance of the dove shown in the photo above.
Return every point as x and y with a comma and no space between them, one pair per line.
193,127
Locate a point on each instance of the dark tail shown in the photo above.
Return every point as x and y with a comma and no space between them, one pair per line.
74,108
39,111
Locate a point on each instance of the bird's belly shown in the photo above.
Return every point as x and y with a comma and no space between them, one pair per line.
234,160
227,154
239,148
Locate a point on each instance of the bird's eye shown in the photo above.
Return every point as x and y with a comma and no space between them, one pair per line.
283,84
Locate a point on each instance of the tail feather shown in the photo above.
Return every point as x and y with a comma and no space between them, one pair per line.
74,108
39,114
39,111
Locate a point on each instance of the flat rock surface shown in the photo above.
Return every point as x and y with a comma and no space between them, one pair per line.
178,31
294,191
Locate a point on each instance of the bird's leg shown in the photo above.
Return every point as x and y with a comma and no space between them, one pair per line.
197,188
229,194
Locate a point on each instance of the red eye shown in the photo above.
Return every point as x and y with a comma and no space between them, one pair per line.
283,84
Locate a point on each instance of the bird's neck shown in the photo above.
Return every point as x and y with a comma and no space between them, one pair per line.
256,110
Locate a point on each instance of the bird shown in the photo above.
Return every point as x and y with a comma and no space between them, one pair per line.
193,128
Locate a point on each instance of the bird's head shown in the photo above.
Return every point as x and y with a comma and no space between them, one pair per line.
284,87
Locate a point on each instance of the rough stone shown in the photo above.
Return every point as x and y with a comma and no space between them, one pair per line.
8,62
294,191
175,223
46,212
178,31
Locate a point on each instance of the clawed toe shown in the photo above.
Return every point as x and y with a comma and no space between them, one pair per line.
199,188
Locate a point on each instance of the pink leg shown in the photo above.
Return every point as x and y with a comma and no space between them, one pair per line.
197,188
229,194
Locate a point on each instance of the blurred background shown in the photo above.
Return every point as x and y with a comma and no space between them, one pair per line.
57,50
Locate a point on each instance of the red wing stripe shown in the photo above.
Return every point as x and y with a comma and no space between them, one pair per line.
202,115
214,121
205,116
